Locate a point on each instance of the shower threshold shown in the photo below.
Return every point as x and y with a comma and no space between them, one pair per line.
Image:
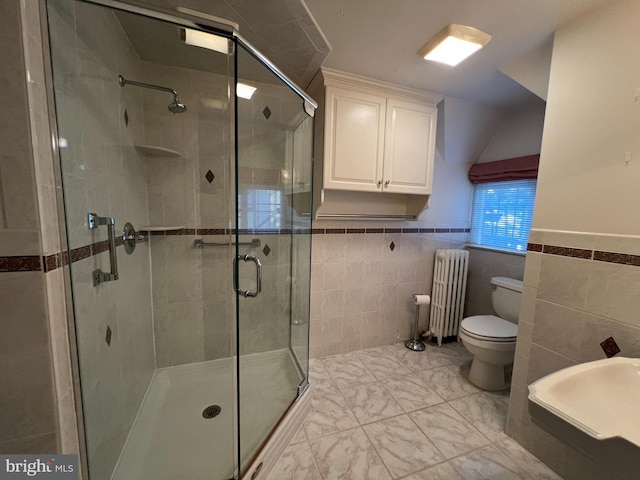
171,438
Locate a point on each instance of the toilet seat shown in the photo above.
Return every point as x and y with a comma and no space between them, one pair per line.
489,328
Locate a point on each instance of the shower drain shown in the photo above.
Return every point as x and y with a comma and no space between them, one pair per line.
211,411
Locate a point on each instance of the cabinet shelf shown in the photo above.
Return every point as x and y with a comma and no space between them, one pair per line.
157,152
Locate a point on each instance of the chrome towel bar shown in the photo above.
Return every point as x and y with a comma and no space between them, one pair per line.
365,216
199,243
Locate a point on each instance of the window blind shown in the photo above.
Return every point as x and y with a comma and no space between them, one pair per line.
502,214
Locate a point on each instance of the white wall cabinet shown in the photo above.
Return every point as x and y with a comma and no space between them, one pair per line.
376,143
374,148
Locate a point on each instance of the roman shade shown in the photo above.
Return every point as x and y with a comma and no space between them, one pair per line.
520,168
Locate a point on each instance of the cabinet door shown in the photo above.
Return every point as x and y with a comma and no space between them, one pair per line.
409,147
354,140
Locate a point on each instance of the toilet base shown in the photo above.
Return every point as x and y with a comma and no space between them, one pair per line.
488,376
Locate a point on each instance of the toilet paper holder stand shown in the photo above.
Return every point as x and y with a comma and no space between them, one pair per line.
415,343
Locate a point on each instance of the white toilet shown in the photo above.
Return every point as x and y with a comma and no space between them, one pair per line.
491,339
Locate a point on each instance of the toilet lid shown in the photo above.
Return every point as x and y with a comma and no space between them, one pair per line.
490,327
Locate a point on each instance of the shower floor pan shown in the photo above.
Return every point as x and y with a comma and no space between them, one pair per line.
171,439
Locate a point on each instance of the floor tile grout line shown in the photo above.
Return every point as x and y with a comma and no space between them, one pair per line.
377,453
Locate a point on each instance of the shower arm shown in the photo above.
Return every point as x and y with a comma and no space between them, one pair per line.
123,81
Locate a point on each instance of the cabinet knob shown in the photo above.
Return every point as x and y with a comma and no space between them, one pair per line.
387,183
379,183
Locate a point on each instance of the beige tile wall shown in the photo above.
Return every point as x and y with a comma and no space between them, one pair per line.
361,289
28,421
570,305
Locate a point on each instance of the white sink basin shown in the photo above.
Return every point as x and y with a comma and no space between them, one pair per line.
600,398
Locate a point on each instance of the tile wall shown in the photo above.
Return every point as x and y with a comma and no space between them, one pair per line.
28,420
362,280
579,289
193,300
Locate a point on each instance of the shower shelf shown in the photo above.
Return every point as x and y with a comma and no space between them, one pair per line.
160,228
154,151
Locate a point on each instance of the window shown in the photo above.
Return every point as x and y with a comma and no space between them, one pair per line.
502,214
260,208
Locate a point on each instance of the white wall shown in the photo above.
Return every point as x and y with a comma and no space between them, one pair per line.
519,134
592,120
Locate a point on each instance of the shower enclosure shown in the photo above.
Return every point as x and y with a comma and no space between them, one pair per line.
186,169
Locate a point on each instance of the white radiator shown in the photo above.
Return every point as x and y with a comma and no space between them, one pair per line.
448,292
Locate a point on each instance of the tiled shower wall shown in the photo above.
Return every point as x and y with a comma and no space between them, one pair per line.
579,289
193,300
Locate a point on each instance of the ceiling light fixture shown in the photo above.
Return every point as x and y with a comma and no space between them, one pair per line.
205,40
453,44
244,91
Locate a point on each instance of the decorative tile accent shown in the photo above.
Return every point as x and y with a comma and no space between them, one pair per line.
356,230
534,247
209,176
30,263
568,252
266,250
392,246
334,230
266,112
126,118
620,258
392,230
610,347
80,253
107,337
51,262
427,230
375,230
410,230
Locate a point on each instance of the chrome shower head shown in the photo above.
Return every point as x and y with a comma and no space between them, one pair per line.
176,106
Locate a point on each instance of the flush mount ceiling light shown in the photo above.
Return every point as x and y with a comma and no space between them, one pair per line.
205,40
244,91
453,44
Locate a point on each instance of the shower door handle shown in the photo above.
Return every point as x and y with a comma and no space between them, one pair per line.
98,275
236,286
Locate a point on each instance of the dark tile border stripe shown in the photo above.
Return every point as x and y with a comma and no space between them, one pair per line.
597,255
49,263
568,252
534,247
620,258
26,263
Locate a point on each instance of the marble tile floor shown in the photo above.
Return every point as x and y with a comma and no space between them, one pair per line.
390,413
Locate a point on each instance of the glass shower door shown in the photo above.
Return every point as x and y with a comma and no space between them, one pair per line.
273,182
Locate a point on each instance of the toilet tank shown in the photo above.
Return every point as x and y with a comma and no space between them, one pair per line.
506,294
